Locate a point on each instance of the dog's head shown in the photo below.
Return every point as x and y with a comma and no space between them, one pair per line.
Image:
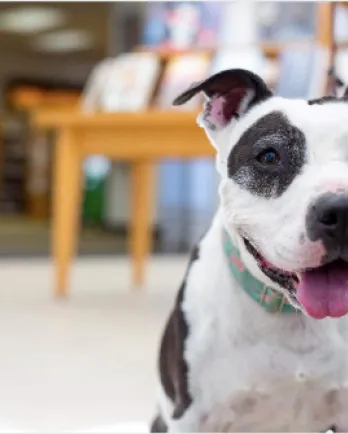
284,185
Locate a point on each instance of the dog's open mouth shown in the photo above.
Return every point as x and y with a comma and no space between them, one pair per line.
321,291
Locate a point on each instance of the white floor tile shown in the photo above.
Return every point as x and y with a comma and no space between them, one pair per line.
88,361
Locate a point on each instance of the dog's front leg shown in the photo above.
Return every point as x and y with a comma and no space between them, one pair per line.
341,425
174,399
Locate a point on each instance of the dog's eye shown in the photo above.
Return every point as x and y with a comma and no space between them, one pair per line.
268,157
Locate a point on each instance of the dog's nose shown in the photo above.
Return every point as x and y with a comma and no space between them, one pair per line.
327,220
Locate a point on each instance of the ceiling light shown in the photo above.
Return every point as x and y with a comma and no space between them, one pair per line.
31,19
64,41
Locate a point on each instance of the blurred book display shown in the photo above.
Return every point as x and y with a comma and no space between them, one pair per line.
152,52
14,132
183,213
179,73
303,73
174,176
182,43
38,186
25,163
182,25
341,23
341,35
250,58
286,21
125,83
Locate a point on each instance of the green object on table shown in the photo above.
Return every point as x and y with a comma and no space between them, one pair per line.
96,169
93,203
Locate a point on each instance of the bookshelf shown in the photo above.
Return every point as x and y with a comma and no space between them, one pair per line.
13,152
140,137
340,44
271,50
324,37
25,160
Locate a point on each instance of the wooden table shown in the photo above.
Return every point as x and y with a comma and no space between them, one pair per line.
140,139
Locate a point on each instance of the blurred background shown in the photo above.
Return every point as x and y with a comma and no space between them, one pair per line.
89,360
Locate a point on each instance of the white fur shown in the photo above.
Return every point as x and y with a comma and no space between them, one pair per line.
249,370
275,225
275,372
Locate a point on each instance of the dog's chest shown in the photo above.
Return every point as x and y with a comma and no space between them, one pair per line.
251,371
283,410
267,388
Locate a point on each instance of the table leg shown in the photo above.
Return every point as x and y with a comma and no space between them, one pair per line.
67,195
142,177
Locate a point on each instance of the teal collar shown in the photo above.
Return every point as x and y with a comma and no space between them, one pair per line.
271,300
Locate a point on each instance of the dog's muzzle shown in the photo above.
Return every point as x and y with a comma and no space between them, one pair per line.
323,291
327,221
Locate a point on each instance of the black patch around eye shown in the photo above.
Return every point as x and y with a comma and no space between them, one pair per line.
273,129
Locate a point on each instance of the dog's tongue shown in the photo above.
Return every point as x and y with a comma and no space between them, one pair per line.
324,291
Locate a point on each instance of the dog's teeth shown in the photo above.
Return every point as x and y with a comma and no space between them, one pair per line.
298,276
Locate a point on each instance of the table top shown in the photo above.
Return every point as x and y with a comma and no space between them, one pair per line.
149,134
144,119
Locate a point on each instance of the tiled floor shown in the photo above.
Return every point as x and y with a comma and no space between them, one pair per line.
20,236
86,363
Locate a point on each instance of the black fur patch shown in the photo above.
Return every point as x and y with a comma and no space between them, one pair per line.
158,425
326,220
226,91
323,100
271,131
172,364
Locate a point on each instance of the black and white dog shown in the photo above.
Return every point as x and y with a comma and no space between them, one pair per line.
258,337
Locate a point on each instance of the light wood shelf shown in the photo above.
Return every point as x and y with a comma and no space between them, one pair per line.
271,49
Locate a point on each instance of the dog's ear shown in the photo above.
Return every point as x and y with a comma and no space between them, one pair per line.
230,94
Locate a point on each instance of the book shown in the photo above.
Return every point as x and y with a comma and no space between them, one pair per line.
340,26
284,21
303,72
179,74
13,161
125,83
181,25
250,58
154,28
